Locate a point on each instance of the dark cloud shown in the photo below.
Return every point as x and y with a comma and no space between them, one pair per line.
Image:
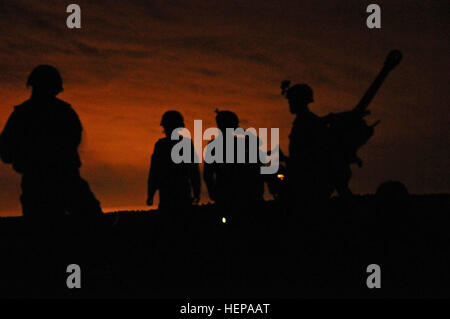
207,72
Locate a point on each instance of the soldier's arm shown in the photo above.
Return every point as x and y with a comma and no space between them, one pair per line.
283,157
195,175
7,139
195,180
153,176
74,128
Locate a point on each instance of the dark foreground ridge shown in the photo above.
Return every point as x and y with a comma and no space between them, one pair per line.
262,253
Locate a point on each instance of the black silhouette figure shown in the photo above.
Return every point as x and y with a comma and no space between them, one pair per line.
232,183
41,140
308,163
323,148
178,183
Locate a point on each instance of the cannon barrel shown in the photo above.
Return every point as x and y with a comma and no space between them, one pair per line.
392,60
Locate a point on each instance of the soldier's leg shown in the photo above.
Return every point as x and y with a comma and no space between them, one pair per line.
41,197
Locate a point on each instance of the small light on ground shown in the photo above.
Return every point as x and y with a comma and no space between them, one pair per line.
224,220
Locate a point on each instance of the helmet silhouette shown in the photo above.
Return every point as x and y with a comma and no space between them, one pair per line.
172,119
300,91
227,119
45,79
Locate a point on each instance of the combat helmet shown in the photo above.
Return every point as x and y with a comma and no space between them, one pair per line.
172,119
227,119
298,91
45,79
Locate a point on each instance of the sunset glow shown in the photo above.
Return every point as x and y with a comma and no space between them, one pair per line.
132,61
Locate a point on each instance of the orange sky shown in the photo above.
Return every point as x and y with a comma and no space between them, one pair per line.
132,60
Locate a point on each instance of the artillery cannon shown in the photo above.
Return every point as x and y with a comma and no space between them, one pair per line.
349,130
347,133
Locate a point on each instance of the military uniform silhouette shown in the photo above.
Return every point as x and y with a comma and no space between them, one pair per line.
232,184
323,148
41,140
178,183
308,164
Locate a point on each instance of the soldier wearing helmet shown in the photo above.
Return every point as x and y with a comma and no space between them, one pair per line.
323,148
308,149
178,183
172,120
45,80
41,140
238,184
299,96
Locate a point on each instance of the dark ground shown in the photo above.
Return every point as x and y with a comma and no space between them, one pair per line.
264,253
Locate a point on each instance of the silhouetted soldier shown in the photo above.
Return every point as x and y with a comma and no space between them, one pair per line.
232,184
323,148
308,162
41,140
178,183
